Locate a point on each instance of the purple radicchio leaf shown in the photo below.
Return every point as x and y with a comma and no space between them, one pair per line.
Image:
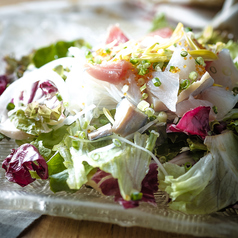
193,122
109,187
48,88
3,83
20,161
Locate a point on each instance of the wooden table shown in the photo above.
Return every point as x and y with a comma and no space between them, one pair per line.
57,227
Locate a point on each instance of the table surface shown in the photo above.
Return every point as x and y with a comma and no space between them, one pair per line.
49,226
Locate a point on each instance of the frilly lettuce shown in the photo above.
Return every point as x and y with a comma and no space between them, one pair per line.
211,184
126,163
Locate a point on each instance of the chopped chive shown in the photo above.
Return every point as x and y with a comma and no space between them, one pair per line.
10,106
134,61
149,112
193,75
214,108
136,196
200,61
108,51
146,64
184,53
143,71
156,82
162,117
88,54
184,84
98,61
142,88
171,68
59,97
116,142
81,135
158,66
144,95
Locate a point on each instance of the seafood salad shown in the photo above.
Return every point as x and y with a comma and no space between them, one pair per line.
127,118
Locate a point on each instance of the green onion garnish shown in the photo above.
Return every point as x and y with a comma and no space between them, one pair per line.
144,95
116,142
184,84
214,108
108,51
10,106
133,61
193,75
184,53
142,88
171,68
59,97
156,82
200,61
136,196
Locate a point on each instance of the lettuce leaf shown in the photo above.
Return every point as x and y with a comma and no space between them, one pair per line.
127,163
211,184
28,125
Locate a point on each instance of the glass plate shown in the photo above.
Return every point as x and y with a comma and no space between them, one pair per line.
39,27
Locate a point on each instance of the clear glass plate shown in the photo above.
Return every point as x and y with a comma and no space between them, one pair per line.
39,27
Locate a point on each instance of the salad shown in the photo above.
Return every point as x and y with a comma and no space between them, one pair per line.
127,118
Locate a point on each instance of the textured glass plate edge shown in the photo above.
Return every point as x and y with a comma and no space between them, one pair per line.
87,204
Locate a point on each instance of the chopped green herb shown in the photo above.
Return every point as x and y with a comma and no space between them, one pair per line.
108,51
156,82
193,75
144,95
10,106
136,196
59,97
184,84
184,53
116,142
214,108
200,61
142,88
143,71
134,61
172,68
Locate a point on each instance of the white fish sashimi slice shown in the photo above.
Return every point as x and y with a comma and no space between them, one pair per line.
184,65
223,99
84,90
223,70
197,87
168,90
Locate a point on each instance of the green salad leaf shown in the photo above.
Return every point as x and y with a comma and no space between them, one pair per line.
211,184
